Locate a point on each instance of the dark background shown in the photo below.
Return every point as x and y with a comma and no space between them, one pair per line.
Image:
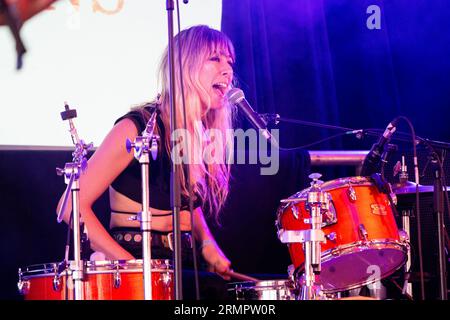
310,60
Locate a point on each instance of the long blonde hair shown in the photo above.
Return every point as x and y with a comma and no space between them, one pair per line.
210,181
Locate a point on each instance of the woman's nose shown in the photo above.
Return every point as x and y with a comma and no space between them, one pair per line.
226,69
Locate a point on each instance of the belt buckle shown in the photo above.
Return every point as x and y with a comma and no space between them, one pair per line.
170,240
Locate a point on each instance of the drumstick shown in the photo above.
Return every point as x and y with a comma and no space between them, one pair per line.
240,276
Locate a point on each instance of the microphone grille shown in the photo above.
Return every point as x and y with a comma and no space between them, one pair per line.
235,95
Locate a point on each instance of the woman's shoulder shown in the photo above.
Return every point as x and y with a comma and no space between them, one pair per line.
140,114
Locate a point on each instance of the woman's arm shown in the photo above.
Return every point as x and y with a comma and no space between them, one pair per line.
211,251
109,160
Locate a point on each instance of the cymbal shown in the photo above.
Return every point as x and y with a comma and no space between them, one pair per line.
410,187
25,8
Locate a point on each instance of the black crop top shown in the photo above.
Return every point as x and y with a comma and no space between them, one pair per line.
129,182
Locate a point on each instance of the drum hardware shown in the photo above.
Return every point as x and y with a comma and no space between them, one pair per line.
23,285
351,193
117,278
165,278
72,172
347,245
295,212
291,272
401,169
363,232
317,201
404,237
58,269
143,145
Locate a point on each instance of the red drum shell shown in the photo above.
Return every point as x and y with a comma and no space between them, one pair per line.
103,280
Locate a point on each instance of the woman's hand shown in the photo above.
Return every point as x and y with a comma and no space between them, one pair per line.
216,259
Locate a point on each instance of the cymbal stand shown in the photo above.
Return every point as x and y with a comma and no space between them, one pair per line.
72,172
406,227
438,208
142,145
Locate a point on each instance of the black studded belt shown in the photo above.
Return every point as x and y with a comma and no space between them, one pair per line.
159,239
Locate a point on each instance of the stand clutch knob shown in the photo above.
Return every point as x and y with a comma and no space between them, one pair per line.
129,145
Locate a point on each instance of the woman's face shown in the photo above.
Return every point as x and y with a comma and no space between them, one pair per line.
215,76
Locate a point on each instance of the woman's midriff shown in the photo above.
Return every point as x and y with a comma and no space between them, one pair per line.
161,220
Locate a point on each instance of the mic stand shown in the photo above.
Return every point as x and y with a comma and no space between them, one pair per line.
141,146
438,208
175,181
273,118
72,172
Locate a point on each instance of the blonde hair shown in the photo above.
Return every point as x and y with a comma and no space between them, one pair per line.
210,181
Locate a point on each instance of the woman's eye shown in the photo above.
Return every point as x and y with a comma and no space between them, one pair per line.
214,59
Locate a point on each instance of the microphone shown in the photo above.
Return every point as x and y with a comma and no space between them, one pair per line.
236,97
373,158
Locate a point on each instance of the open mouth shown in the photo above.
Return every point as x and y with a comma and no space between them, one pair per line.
221,88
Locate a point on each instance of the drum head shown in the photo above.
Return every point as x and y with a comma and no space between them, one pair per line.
357,266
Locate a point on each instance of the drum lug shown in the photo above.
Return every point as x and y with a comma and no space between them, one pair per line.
239,293
295,211
165,278
351,193
56,282
363,232
117,278
330,216
23,285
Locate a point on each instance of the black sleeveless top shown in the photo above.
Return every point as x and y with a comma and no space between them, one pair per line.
129,182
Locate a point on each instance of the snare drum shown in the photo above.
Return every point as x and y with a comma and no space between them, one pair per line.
262,290
363,242
103,280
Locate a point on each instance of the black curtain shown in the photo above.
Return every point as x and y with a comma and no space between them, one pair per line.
318,61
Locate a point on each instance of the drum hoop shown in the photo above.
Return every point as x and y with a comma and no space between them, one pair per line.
356,246
327,186
262,283
93,267
350,248
356,181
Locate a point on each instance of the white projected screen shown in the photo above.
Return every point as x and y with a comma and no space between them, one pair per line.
100,56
